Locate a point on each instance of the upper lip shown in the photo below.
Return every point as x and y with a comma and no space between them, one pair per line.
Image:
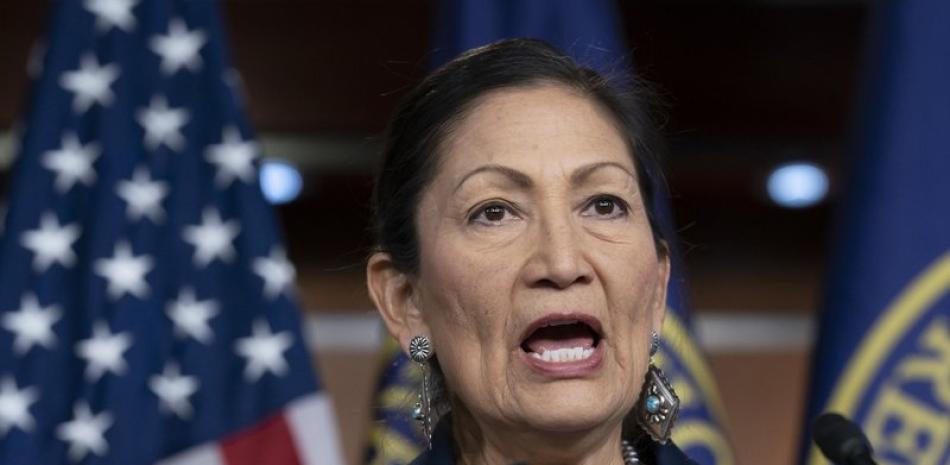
563,318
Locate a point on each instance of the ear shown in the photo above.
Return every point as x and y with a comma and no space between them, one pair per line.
393,293
659,293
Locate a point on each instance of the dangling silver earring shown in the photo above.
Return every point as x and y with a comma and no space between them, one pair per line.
420,350
654,343
658,405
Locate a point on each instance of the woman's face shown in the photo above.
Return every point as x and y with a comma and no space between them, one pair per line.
539,282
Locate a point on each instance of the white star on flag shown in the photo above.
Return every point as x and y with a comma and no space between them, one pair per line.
103,351
233,158
264,351
15,406
191,316
276,271
112,13
85,433
51,243
173,390
163,124
32,324
124,272
179,48
90,83
143,196
212,238
72,162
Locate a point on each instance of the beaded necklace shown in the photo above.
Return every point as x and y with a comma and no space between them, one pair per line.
628,453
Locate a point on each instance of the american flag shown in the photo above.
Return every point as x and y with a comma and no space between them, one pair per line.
146,306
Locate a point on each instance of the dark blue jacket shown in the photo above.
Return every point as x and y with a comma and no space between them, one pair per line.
650,453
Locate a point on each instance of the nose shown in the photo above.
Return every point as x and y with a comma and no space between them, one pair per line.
557,260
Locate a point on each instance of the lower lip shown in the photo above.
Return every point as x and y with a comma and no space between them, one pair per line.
563,370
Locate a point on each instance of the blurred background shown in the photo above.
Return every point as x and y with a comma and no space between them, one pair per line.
760,96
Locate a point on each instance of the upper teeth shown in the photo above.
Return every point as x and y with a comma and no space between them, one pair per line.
567,354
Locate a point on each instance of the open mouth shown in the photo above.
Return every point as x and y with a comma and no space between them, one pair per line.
562,340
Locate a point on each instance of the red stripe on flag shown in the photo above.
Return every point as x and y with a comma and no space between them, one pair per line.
267,443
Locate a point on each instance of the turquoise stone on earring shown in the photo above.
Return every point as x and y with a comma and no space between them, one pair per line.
653,404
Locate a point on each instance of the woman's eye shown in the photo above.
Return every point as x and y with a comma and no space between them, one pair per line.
492,214
606,206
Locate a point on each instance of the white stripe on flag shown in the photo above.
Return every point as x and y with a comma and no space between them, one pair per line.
313,427
205,454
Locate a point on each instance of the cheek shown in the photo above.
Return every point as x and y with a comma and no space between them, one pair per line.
639,287
454,288
464,301
630,273
630,278
465,304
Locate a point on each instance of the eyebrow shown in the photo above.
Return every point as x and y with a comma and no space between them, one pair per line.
517,177
579,175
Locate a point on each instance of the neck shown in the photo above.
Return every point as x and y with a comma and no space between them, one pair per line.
484,444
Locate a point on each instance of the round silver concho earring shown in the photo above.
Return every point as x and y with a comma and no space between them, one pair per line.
420,351
658,405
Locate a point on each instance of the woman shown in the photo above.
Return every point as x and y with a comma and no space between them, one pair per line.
520,263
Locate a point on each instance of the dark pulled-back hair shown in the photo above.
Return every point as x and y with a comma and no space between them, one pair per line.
427,115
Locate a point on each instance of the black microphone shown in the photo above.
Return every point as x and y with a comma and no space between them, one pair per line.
841,440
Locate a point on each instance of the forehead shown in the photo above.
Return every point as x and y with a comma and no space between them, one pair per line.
540,127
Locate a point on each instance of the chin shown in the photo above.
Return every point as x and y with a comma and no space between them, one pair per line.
568,406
